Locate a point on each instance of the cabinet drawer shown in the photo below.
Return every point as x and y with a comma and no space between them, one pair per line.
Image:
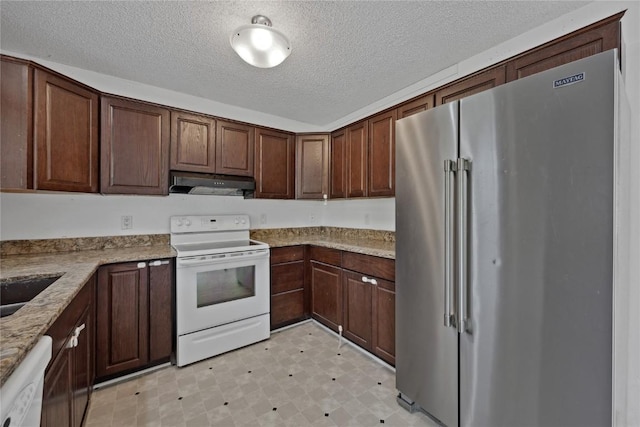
287,277
287,307
287,254
374,266
325,255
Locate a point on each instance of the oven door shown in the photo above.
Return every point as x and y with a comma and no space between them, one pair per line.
213,290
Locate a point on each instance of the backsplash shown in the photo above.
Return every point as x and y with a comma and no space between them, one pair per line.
334,232
21,247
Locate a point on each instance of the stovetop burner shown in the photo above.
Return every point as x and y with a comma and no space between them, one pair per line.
212,234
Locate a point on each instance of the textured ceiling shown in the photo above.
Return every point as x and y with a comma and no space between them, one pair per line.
345,54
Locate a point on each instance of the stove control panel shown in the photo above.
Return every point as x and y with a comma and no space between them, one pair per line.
204,223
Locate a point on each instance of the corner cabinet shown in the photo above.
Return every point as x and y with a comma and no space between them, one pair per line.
69,378
312,166
274,164
134,316
134,147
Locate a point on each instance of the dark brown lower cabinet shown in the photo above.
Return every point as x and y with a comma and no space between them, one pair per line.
287,286
326,294
134,316
383,315
357,309
69,377
369,314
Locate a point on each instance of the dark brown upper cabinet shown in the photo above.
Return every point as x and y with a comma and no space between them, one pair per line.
134,147
193,142
16,124
471,85
274,164
312,166
596,38
382,155
357,138
418,105
338,164
66,135
234,149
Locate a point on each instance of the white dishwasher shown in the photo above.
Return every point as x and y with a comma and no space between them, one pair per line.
21,394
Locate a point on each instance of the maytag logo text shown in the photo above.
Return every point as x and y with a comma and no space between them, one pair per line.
576,78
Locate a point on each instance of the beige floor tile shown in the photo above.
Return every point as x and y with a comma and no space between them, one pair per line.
302,374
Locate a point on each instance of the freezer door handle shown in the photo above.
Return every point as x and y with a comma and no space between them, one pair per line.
449,223
463,167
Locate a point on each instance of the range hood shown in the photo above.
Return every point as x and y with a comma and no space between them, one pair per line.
210,184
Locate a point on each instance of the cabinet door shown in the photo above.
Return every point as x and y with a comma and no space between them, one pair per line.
234,149
275,165
83,356
477,83
357,309
193,142
312,166
57,393
326,294
357,142
161,311
338,164
596,38
122,318
16,120
383,341
134,147
416,106
66,135
382,155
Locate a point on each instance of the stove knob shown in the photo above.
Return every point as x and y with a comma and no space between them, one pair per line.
187,222
178,222
244,221
237,221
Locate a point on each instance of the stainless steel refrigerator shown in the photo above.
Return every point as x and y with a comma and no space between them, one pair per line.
504,252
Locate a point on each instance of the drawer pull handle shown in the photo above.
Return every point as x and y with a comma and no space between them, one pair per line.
365,279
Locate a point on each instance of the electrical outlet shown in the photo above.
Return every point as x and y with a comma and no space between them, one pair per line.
263,219
126,222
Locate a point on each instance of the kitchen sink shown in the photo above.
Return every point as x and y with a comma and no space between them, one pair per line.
16,293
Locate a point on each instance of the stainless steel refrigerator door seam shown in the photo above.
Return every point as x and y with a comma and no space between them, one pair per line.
463,167
449,222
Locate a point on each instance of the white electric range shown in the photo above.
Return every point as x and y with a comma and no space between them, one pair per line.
222,285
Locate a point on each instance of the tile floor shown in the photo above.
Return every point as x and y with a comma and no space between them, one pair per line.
299,377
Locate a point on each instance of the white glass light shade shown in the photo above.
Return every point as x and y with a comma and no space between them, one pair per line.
260,45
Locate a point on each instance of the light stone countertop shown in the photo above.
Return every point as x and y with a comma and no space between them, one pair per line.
76,260
20,331
362,246
369,242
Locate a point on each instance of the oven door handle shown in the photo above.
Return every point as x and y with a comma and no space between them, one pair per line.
219,259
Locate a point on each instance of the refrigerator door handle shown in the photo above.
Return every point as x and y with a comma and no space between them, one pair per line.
463,167
449,249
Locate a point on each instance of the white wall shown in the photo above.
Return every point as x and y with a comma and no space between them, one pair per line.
56,215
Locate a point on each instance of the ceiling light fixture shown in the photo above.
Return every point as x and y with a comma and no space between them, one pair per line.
259,44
